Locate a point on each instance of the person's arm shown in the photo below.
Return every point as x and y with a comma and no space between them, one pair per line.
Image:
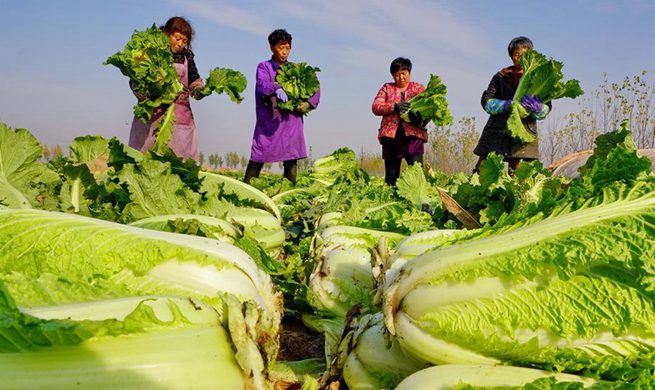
545,110
315,99
381,106
535,107
139,96
490,103
308,105
192,70
497,106
265,84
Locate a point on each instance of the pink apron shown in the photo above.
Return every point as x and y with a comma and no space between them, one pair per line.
183,142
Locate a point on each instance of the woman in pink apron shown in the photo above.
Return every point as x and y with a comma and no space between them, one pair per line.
183,142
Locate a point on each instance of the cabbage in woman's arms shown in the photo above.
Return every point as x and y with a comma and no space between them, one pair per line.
542,77
147,60
431,104
299,82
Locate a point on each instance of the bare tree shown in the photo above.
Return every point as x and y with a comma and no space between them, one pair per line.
450,148
602,111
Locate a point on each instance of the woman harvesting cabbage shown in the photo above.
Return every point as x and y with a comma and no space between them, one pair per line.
183,141
497,100
400,140
279,131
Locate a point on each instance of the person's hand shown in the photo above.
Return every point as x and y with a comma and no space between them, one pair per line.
532,103
281,95
507,105
196,89
303,108
183,97
401,107
415,119
199,96
139,96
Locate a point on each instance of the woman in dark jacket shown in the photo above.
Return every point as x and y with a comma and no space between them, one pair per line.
496,100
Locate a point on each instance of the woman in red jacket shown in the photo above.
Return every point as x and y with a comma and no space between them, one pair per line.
400,140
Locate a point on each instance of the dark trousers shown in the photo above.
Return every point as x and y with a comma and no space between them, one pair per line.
392,167
254,168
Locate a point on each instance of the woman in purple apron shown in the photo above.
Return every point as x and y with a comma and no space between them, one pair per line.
279,134
183,142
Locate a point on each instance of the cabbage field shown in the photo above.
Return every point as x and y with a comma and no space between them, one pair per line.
129,270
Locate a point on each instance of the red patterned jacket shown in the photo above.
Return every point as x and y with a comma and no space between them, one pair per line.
383,106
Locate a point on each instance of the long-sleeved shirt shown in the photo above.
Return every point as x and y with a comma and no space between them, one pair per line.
383,104
494,137
279,135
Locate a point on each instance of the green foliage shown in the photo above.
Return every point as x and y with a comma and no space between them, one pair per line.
148,61
224,80
431,104
541,77
24,183
299,81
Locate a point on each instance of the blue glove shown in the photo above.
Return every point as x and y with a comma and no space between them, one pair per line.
531,103
281,95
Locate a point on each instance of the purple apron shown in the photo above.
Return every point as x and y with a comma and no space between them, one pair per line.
183,142
278,136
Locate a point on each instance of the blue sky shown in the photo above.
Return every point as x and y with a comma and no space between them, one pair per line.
54,82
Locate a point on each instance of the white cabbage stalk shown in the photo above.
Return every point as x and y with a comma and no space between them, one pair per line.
343,275
451,376
373,363
128,343
571,291
415,245
50,258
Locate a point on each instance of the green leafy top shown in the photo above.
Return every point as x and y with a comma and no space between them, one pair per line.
541,77
413,186
225,80
299,81
148,61
431,104
21,175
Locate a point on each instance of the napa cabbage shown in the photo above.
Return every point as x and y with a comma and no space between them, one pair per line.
129,343
573,291
224,80
148,61
431,104
51,258
469,377
299,81
541,77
